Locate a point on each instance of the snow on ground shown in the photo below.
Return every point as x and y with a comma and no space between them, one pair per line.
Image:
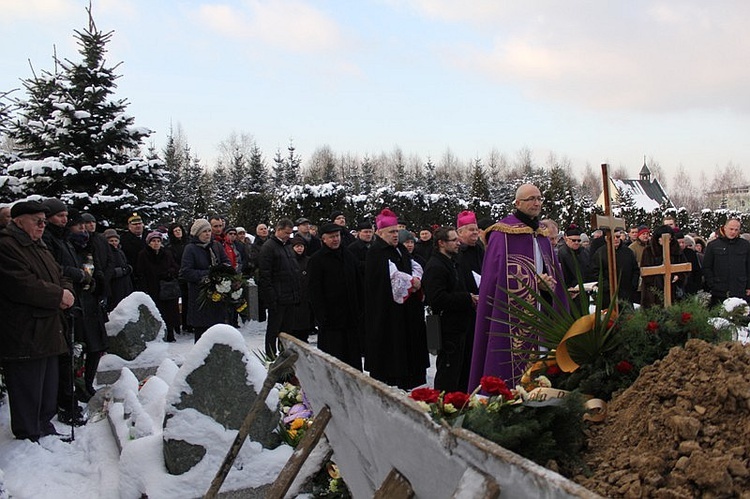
90,467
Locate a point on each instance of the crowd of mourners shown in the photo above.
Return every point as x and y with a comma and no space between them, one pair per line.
362,289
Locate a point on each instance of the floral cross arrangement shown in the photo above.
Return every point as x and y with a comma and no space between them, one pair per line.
223,285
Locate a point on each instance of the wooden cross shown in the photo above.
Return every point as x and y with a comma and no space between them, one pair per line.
609,223
666,269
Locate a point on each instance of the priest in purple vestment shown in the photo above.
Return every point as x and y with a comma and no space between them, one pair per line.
518,254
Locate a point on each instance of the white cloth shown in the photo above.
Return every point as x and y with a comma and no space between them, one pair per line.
401,286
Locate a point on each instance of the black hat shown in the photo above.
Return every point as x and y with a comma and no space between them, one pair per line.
330,228
55,206
335,214
27,208
573,230
485,223
74,217
301,220
88,217
364,224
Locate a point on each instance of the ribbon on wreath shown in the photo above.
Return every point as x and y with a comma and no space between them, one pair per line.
596,409
581,326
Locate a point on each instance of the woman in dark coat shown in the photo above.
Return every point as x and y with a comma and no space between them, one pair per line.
156,264
200,255
118,274
652,287
178,240
89,326
303,323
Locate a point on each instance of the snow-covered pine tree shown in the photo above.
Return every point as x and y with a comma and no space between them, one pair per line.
430,178
257,175
292,166
480,186
279,169
221,198
77,143
367,175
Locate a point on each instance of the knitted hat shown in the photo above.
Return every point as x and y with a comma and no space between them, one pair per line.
386,218
405,235
111,233
88,217
199,226
298,240
241,230
466,217
642,229
154,235
54,206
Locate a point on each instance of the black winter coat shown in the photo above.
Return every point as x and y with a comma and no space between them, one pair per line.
335,289
118,276
574,263
396,340
155,267
196,261
446,294
653,285
469,260
628,273
31,288
726,267
278,274
302,315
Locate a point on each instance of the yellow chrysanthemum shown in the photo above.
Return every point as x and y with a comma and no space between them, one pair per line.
215,297
297,424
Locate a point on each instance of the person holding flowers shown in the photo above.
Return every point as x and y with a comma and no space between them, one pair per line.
200,256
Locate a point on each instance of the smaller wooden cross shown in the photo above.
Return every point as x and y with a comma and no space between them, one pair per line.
610,223
666,269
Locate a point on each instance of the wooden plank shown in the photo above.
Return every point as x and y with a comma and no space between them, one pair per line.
395,486
301,453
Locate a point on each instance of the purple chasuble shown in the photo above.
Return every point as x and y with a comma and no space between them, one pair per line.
508,262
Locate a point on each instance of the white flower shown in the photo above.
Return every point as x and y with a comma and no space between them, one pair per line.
236,294
225,286
731,305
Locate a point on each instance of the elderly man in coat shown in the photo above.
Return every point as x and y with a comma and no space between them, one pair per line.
33,297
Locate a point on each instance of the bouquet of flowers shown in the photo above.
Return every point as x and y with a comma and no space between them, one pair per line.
296,415
223,285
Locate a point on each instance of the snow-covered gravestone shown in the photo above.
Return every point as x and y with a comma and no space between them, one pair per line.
214,390
133,323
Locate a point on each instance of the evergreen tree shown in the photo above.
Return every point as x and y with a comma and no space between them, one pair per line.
367,176
257,175
480,187
292,166
79,143
279,169
430,177
221,198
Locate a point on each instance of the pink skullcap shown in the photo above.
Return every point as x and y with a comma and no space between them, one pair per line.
386,218
466,217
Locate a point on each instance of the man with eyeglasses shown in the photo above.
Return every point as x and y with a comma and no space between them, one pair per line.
519,259
33,296
448,297
574,259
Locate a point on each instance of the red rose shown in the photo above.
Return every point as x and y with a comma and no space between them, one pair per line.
652,326
624,367
553,370
429,395
686,316
610,324
492,385
456,399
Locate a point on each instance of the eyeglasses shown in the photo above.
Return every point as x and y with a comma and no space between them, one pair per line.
533,198
574,240
40,222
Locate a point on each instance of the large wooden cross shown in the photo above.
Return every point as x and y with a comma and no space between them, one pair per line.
667,269
609,223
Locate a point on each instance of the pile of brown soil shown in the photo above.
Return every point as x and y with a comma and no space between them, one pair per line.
681,430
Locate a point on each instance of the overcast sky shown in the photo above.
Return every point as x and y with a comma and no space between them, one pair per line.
593,81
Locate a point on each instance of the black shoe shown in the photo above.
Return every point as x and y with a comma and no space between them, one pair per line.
69,418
